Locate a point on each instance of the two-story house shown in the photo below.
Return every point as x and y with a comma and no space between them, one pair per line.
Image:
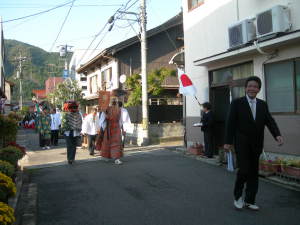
104,70
230,40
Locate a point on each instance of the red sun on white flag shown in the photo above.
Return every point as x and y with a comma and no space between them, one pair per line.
186,85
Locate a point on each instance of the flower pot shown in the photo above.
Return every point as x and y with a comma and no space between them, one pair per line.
270,167
291,171
195,150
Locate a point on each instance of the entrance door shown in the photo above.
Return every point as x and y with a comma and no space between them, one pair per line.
220,99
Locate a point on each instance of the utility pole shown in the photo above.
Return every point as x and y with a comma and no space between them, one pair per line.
143,139
144,72
20,59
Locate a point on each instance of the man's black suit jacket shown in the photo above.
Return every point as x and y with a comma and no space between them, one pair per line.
207,122
243,131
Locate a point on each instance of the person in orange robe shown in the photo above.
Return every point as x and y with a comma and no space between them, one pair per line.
111,146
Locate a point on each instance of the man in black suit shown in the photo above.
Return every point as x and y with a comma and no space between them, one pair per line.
245,125
207,128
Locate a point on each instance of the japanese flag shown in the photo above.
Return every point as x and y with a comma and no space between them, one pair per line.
186,85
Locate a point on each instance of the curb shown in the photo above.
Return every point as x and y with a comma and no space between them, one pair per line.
13,202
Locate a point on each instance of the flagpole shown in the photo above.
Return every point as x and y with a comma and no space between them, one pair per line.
197,100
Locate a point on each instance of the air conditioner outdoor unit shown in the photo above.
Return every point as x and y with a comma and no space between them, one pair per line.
273,21
241,33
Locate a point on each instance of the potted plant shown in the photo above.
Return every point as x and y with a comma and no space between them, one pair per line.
271,166
196,149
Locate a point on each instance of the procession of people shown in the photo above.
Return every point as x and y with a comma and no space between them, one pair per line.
104,130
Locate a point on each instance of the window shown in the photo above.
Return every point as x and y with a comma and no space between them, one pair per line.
283,86
82,78
231,73
106,78
194,3
84,87
297,66
93,84
233,78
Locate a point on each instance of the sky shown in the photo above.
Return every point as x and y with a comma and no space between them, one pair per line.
84,26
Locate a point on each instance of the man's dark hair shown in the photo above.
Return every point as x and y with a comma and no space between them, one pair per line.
120,104
253,78
206,105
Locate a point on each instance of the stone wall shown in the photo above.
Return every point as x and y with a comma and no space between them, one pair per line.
158,133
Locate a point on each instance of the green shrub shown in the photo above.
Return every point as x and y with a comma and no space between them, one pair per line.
8,130
6,214
7,188
15,116
7,168
11,154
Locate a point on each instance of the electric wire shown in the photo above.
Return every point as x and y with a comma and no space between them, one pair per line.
62,25
118,17
167,33
103,28
34,7
35,14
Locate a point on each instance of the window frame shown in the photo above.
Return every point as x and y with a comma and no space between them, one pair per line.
293,60
95,77
230,83
190,7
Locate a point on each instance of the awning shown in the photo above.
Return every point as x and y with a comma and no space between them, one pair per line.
267,46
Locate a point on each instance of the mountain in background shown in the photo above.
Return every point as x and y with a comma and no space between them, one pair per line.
38,66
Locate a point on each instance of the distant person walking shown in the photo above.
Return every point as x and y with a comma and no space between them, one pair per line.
3,99
245,125
55,124
111,121
44,128
71,123
91,127
125,122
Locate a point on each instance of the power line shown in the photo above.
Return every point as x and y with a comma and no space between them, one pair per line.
117,18
34,7
62,25
103,28
35,14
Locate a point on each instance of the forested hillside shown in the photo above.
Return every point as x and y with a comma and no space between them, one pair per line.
38,66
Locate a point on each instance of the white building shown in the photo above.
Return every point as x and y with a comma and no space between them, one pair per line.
79,57
264,41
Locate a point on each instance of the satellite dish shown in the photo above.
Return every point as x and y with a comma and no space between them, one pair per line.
123,78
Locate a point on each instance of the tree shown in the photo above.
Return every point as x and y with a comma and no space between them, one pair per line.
67,90
154,79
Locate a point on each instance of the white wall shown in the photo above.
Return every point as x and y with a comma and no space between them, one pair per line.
79,57
205,34
205,28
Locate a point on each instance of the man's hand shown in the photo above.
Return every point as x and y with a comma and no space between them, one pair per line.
279,140
228,147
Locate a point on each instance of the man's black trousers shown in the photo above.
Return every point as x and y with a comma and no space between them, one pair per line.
247,162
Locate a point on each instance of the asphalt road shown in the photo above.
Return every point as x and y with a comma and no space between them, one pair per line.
154,188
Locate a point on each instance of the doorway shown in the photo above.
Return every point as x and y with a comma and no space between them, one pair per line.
220,100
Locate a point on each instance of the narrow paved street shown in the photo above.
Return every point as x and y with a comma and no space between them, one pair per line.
158,187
